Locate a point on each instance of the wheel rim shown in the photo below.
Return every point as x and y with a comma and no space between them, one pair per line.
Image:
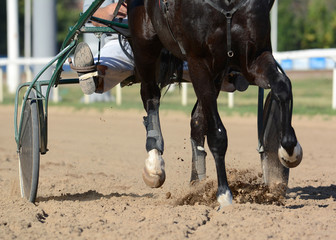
29,156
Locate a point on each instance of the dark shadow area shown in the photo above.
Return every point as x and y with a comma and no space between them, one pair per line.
314,193
91,195
295,206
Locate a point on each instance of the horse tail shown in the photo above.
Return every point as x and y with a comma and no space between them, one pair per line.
171,69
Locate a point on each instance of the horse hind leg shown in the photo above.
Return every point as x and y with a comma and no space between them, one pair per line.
207,93
154,170
198,131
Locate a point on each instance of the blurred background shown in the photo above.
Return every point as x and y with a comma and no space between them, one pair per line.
303,39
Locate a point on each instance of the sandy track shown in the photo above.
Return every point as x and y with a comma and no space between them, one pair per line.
91,185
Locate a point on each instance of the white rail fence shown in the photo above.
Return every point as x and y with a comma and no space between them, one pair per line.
322,58
310,59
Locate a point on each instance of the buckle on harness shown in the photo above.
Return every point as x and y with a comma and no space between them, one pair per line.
230,53
163,4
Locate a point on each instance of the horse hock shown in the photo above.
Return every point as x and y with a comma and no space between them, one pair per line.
154,173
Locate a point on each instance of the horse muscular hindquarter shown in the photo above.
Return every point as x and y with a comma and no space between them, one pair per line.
227,47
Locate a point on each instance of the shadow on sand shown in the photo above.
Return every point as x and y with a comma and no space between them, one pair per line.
313,193
91,195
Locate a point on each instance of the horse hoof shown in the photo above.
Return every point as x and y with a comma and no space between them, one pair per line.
154,174
153,180
225,199
290,161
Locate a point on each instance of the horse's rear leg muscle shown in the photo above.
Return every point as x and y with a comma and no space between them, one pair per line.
198,131
265,70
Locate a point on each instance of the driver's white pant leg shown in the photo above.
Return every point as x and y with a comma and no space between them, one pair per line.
117,65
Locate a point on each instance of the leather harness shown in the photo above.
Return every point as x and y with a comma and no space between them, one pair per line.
228,15
164,6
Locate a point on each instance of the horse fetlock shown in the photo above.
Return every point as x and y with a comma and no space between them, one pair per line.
290,160
154,138
154,174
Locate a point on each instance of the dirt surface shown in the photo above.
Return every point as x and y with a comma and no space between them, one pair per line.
91,186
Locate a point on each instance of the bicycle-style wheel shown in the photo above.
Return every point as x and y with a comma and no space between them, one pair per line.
29,154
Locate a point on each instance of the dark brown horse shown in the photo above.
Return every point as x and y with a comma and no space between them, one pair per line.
227,47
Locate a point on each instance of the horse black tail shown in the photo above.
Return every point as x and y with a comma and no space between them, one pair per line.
171,69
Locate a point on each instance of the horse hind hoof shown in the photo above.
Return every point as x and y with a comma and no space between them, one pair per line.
290,161
153,180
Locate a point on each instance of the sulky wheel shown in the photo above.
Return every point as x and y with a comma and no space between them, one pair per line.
125,46
29,155
274,173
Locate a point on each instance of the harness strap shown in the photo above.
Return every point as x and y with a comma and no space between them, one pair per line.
228,15
163,5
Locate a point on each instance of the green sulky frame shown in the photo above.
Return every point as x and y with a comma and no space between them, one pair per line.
30,125
68,47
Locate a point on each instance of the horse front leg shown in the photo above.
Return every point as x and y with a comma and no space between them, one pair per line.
146,48
266,72
207,92
197,135
154,170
